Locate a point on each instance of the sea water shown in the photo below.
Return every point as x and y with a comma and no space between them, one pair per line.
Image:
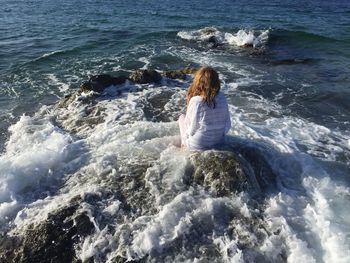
285,71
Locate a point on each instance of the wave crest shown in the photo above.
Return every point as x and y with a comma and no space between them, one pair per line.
242,38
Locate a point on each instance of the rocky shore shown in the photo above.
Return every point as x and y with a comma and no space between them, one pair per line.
222,173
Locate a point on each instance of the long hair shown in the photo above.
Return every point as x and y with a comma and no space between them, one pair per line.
206,84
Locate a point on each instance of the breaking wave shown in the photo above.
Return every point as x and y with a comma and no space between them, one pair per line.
241,38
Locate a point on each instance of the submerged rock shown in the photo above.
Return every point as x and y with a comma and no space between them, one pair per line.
143,76
154,107
256,51
220,172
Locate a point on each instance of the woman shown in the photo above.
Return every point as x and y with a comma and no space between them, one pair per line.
207,118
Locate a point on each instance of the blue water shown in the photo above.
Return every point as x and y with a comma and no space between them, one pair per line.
74,39
292,96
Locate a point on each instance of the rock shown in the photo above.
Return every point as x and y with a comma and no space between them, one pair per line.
174,74
7,246
67,100
220,172
213,42
189,70
179,74
78,113
98,83
247,45
143,76
243,229
259,166
212,39
53,240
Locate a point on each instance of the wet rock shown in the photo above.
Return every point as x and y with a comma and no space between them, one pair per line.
189,70
67,100
248,45
79,112
179,74
213,42
99,82
220,172
7,249
132,189
212,39
52,240
243,229
143,76
263,172
174,74
93,115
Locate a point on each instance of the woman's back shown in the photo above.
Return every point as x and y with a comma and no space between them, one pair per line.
207,118
209,124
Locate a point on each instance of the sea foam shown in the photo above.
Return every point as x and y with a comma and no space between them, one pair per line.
132,181
37,157
241,38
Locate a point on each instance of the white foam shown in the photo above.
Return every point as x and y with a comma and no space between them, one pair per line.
311,211
201,34
247,38
174,220
329,199
240,38
53,80
145,60
110,141
34,156
229,250
51,53
113,207
281,214
7,210
96,245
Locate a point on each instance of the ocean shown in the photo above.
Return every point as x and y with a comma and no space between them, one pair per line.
115,161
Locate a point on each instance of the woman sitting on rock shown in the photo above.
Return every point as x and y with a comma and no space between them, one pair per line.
207,118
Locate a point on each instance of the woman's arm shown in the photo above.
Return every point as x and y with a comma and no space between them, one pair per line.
192,118
228,119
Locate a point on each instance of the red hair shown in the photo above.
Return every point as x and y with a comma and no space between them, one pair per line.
206,84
